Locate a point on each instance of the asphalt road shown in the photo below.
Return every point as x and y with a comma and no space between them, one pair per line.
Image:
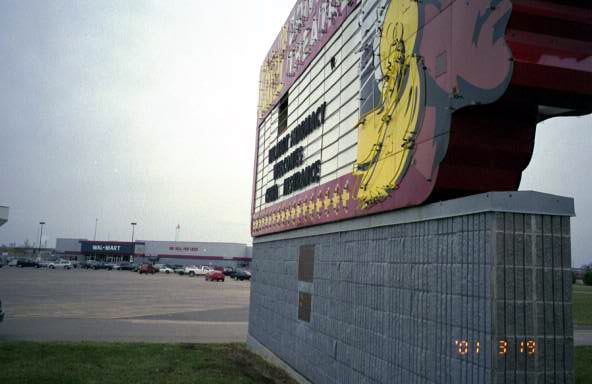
48,305
583,336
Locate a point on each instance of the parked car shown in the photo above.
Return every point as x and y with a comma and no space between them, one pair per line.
65,264
193,270
24,263
147,268
1,312
215,276
124,266
166,269
107,266
43,264
180,269
242,274
96,265
229,271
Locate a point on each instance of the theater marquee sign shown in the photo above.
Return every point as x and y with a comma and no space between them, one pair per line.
370,106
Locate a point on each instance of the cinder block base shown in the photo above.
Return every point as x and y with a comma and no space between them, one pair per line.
472,290
270,357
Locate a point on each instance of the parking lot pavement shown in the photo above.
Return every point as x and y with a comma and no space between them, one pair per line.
583,335
43,304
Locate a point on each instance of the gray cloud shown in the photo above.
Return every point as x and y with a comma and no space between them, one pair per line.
560,165
128,111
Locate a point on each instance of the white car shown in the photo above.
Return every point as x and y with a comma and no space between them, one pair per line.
65,264
193,270
165,269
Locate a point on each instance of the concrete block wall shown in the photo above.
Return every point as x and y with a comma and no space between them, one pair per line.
532,297
430,295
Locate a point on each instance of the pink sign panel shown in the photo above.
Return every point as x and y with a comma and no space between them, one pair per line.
310,25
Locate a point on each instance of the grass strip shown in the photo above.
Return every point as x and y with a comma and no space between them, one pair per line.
583,365
122,363
582,305
115,363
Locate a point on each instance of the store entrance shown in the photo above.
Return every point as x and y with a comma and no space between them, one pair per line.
110,258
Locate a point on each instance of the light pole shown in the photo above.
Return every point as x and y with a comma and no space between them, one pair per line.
133,230
41,223
96,223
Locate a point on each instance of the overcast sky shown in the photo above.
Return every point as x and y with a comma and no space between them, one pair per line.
146,110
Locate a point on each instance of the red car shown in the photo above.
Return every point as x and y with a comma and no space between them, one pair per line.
147,268
215,276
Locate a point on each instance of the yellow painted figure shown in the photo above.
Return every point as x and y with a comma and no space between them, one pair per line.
386,134
271,74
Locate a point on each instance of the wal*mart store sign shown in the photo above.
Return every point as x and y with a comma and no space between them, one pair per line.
107,248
